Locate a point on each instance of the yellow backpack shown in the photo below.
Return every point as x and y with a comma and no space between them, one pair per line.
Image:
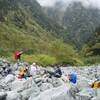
96,84
23,71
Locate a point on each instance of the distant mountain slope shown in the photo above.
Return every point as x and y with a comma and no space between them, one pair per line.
94,42
24,26
79,21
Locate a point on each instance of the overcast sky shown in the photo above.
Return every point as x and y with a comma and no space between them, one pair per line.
86,3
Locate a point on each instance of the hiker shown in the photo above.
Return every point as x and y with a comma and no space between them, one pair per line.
9,71
96,84
24,73
33,69
57,73
18,55
72,78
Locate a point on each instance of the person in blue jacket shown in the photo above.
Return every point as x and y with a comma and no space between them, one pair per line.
58,72
72,78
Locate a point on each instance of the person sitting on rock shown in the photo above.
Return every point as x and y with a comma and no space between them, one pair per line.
72,78
57,73
33,69
24,73
96,84
9,71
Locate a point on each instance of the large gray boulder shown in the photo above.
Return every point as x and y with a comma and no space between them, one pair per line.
3,95
1,69
68,90
5,65
28,92
9,78
13,95
50,69
45,86
57,82
83,83
20,85
34,95
96,98
86,94
37,80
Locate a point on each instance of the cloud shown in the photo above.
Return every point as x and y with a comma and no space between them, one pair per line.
85,3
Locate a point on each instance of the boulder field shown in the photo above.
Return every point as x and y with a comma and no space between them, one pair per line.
40,87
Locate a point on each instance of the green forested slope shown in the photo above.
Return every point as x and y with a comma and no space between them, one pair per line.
94,42
24,26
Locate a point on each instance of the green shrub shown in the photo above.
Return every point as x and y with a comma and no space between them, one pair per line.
41,59
91,60
77,62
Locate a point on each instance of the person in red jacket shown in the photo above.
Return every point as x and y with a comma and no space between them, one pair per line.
18,55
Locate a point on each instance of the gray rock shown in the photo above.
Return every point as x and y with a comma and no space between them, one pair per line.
15,67
1,64
37,80
28,92
1,69
57,82
83,83
13,95
50,69
86,94
96,98
38,84
33,95
5,65
9,78
98,92
53,94
45,86
17,72
20,85
3,95
1,76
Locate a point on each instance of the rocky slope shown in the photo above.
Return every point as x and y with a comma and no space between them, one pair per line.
40,88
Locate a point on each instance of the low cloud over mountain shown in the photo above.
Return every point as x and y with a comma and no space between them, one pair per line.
86,3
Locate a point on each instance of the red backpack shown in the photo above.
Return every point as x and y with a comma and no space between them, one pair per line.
16,55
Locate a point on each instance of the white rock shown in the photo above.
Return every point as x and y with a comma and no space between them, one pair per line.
20,85
45,86
52,94
3,95
34,95
57,82
83,83
37,80
27,93
9,78
86,94
96,98
13,95
1,69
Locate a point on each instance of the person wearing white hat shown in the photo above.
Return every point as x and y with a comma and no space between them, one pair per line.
33,69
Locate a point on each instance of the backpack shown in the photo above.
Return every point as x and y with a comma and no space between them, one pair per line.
16,55
96,84
23,71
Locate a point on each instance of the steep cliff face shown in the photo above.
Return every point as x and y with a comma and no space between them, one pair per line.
79,21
